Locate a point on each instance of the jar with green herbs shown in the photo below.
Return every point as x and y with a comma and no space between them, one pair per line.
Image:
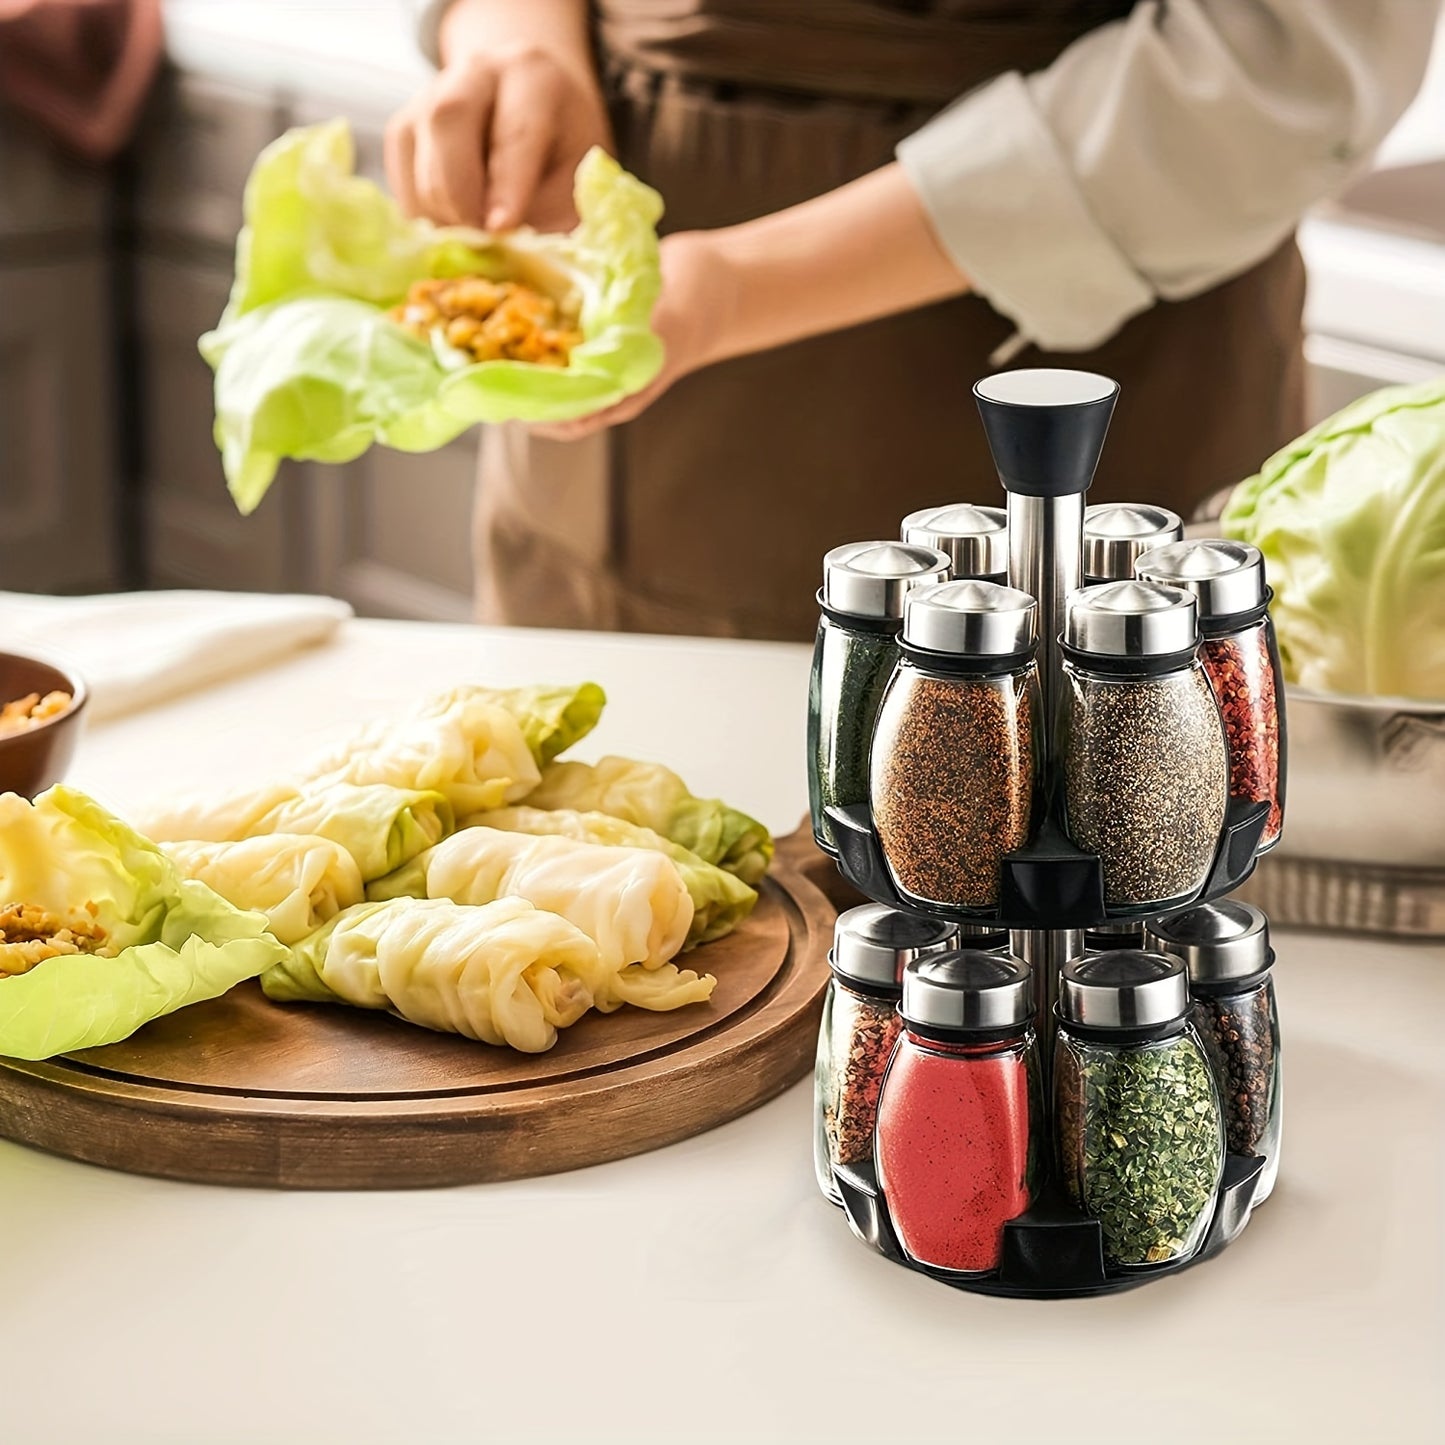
1225,948
956,751
864,587
871,947
1146,770
1137,1119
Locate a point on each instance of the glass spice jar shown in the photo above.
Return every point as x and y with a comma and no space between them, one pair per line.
1146,772
1241,660
1225,948
1116,533
871,945
959,1117
974,539
956,749
864,585
1138,1129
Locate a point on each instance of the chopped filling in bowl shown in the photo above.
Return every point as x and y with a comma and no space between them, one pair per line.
29,935
28,712
489,320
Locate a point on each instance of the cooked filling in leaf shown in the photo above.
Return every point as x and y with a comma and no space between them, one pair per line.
29,935
489,320
28,712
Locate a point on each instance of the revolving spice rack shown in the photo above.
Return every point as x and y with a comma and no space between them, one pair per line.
1046,439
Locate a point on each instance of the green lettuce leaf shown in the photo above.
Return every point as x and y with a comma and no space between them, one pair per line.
652,796
173,941
1351,521
309,366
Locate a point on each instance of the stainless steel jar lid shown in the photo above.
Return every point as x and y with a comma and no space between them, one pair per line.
1217,942
975,539
1126,988
967,989
871,944
1115,533
1225,577
987,936
1131,619
1128,933
970,618
871,579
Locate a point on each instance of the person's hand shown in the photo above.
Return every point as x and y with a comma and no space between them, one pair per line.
694,317
494,138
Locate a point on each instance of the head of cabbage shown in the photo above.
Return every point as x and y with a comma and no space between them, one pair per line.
1351,521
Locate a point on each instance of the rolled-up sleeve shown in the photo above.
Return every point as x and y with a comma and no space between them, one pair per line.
1161,154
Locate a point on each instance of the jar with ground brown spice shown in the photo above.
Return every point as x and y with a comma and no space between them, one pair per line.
956,750
1241,660
871,946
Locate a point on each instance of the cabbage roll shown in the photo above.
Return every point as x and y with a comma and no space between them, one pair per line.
551,718
298,882
505,973
652,796
632,903
719,900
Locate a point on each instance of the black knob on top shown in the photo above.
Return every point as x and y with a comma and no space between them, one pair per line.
1046,427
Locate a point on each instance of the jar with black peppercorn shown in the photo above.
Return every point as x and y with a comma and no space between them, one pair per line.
1225,947
1146,773
1241,660
864,586
1115,533
975,539
959,1115
956,750
1137,1122
871,946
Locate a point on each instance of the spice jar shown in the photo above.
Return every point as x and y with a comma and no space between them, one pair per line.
1116,533
864,585
1126,933
955,752
1241,660
974,539
1225,948
1139,1134
871,945
1146,773
959,1114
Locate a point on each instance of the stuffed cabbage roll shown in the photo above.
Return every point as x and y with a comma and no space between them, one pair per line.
298,882
630,902
720,901
505,973
551,718
652,796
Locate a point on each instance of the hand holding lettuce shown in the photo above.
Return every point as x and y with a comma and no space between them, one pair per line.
1351,521
309,365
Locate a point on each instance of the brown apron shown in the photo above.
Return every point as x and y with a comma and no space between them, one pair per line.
710,513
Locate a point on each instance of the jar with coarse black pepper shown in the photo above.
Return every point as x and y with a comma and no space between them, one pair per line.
1145,768
1225,948
871,946
1116,533
1137,1122
864,586
956,750
1241,660
974,539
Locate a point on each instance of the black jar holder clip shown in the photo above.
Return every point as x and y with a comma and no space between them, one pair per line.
1046,430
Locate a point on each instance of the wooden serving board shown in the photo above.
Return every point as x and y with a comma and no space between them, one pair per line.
319,1096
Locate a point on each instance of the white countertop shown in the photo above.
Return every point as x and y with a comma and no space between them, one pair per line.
706,1291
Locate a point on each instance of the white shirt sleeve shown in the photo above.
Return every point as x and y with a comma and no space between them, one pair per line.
428,15
1162,153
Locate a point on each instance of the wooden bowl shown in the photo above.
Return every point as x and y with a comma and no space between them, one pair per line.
32,760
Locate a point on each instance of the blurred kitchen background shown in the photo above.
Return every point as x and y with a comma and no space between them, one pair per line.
108,475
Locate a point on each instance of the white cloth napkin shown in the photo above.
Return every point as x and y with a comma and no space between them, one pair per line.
137,648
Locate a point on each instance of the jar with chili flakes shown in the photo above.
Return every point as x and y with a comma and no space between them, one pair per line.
1241,660
871,946
960,1113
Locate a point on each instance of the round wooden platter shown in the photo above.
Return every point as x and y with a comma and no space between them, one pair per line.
244,1091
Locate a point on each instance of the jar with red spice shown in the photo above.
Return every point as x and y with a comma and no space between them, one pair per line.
871,946
960,1117
1241,660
